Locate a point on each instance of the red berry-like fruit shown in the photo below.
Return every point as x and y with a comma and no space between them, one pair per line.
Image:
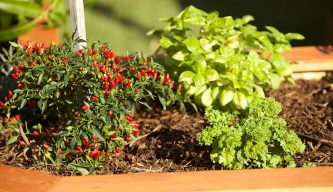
138,75
106,85
179,88
79,149
117,59
110,113
46,146
94,98
85,107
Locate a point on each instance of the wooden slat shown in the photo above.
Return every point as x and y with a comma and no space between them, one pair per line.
297,179
14,179
311,59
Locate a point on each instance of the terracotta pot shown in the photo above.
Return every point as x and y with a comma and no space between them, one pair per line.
41,34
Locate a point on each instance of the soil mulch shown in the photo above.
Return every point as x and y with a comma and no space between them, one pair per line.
308,109
167,140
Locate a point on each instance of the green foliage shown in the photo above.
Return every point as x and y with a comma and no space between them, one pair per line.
19,16
224,62
78,108
254,137
6,82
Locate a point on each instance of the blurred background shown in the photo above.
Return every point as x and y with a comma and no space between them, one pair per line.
124,23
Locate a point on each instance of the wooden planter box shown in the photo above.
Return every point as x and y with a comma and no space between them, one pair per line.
312,59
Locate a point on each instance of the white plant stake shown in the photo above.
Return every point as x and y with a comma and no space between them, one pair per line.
78,23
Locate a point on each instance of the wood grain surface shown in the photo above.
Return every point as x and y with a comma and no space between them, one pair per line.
311,59
288,179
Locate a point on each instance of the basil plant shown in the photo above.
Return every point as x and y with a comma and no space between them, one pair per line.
223,62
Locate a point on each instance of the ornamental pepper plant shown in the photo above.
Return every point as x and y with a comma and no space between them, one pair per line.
78,107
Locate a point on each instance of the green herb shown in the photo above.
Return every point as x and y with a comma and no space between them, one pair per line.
224,62
255,137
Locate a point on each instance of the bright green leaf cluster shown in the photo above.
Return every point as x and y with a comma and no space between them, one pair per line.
228,62
253,137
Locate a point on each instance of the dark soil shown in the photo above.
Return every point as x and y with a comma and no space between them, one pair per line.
308,109
168,138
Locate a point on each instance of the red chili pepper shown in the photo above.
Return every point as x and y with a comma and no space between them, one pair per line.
65,60
166,77
94,98
78,54
85,107
171,82
94,138
91,154
117,59
114,66
116,151
106,85
97,155
46,146
14,76
103,69
95,64
112,84
129,117
94,51
10,94
130,69
136,91
21,143
35,150
35,133
135,131
110,113
143,73
31,64
138,75
179,88
155,74
128,84
79,149
106,92
19,85
84,142
104,47
127,58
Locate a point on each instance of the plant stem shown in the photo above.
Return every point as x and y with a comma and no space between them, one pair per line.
25,138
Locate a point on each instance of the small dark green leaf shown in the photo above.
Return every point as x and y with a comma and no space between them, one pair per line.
44,106
162,101
12,139
23,102
40,78
98,133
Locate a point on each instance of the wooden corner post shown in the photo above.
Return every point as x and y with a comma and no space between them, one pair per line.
78,23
